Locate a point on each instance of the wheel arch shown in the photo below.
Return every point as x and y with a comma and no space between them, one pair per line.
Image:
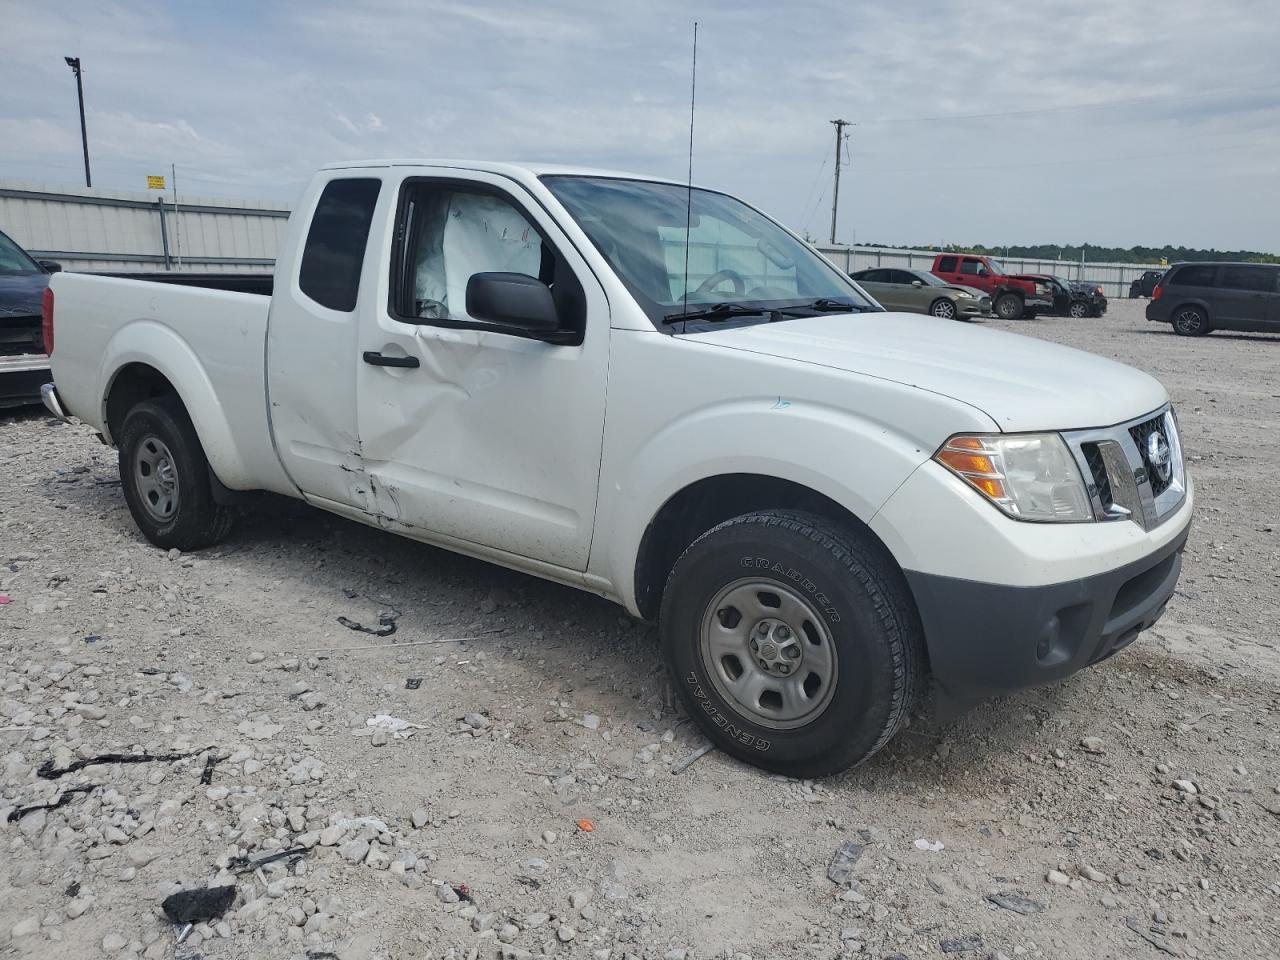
704,503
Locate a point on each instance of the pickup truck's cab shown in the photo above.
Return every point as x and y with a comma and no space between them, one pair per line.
1012,296
658,394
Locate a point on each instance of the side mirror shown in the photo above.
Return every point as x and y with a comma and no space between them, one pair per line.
512,300
50,266
917,283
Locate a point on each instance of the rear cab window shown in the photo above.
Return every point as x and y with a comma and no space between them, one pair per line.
947,265
334,251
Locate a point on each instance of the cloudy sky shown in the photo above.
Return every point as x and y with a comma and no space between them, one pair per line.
1005,121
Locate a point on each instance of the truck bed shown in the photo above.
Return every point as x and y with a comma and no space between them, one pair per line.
208,341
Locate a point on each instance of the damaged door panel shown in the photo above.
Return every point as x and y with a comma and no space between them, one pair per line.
493,437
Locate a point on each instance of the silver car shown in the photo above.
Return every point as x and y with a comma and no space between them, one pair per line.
918,291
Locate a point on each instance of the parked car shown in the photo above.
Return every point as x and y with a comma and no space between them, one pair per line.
1094,294
1197,298
24,366
1145,284
1071,299
1012,297
816,500
917,291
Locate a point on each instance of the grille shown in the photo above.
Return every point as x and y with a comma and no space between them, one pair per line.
1139,434
1098,471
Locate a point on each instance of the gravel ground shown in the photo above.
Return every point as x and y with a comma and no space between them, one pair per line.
1131,810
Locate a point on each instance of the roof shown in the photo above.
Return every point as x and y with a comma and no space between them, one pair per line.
515,170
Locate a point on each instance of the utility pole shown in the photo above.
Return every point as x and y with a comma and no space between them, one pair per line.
74,64
835,197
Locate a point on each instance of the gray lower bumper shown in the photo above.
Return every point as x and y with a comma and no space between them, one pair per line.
52,402
986,639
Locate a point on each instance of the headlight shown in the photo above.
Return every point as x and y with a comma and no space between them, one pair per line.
1030,476
964,296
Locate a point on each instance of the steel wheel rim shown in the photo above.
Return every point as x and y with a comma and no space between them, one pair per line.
1006,310
768,653
156,478
944,309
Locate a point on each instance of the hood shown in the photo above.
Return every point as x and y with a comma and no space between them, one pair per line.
1022,383
971,291
20,293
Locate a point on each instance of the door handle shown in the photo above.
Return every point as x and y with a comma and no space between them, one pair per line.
380,360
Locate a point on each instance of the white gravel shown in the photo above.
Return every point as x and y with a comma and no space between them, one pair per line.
558,720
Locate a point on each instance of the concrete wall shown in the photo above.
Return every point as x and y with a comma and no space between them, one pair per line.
1114,277
91,229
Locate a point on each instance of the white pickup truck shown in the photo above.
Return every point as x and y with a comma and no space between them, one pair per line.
660,395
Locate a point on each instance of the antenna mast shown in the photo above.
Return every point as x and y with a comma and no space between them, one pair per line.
835,197
688,211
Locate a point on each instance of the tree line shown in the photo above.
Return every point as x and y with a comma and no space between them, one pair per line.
1093,254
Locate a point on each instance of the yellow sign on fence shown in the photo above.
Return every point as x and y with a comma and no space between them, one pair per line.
155,183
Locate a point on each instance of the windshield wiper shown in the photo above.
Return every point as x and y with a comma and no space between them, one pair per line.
719,311
822,305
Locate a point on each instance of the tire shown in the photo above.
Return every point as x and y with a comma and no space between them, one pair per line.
1190,322
943,309
1007,306
1078,310
846,641
165,478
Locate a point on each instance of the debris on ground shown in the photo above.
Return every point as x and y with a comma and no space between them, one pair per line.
1016,902
844,860
1153,936
693,758
932,846
385,628
200,904
65,797
49,771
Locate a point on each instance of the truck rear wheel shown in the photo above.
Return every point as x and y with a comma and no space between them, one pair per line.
1008,306
165,478
794,644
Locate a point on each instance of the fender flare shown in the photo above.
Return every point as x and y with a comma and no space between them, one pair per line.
159,347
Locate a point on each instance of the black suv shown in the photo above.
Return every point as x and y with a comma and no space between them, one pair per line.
1145,284
1199,297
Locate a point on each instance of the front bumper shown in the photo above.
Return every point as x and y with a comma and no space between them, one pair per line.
973,308
21,376
987,639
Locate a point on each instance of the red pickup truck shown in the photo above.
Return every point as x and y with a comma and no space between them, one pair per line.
1012,297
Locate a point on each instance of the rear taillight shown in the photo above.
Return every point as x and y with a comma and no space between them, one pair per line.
46,320
1155,294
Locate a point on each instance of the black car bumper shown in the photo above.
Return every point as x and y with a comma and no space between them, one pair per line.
987,639
21,376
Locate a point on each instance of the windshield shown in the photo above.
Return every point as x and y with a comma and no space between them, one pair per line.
736,255
13,259
996,266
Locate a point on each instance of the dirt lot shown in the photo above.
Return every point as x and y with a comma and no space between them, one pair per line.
1060,803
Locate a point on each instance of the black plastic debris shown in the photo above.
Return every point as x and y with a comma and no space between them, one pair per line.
64,798
385,628
73,889
249,864
93,638
1016,902
48,771
211,761
962,944
413,683
194,906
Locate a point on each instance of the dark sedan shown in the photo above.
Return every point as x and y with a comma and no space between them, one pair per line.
23,363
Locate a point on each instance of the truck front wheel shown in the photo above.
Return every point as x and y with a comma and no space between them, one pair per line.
1008,306
793,643
165,478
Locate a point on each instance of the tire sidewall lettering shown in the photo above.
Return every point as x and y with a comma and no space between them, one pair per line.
789,573
730,729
